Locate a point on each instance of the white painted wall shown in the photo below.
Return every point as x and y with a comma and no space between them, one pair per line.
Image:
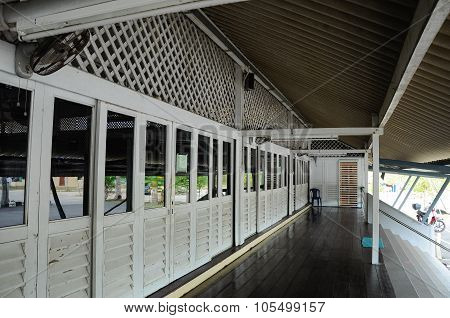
325,177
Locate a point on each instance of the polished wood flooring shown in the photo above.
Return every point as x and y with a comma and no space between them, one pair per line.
319,255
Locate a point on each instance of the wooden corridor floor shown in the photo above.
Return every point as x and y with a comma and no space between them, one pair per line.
319,255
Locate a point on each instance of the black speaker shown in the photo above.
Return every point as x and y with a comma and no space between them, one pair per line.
249,81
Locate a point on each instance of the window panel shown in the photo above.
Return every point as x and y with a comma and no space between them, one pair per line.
119,163
70,162
183,167
226,174
280,170
252,175
269,171
262,165
155,166
294,176
203,168
275,171
245,161
215,190
14,129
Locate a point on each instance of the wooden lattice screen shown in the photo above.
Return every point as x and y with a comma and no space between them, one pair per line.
263,111
348,183
169,58
166,57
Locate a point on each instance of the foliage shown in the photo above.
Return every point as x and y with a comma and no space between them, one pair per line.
202,182
155,181
181,184
110,184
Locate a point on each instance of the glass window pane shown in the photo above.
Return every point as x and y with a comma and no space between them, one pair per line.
244,160
203,168
252,175
226,174
299,177
215,190
280,170
183,167
294,176
14,128
303,172
71,144
155,166
119,163
286,171
269,171
262,165
275,171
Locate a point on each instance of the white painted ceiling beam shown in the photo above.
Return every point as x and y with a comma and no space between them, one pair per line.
329,152
308,133
413,51
37,19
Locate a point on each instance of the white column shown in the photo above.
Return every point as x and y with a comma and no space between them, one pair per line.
366,187
239,189
238,119
375,202
98,200
290,166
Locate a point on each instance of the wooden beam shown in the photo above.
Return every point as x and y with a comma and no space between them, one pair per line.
308,133
330,152
414,49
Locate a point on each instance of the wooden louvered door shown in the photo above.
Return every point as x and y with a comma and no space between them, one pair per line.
118,210
20,158
348,183
157,203
65,228
183,198
249,197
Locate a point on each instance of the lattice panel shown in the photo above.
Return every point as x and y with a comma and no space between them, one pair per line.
292,144
166,57
329,145
297,123
263,111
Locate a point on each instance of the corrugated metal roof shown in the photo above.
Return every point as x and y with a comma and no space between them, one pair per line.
419,128
333,59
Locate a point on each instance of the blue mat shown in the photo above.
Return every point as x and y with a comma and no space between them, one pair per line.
367,242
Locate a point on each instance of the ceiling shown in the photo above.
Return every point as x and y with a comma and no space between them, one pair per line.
419,128
335,59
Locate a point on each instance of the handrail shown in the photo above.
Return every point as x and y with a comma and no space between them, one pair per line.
415,231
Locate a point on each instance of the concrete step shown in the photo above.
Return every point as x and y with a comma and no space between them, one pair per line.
425,272
401,283
439,271
419,285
